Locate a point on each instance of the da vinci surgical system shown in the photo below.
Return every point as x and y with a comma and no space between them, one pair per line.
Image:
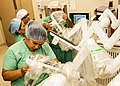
103,64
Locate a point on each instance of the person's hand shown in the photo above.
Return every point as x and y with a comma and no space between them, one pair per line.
50,29
24,69
64,16
55,60
47,25
47,40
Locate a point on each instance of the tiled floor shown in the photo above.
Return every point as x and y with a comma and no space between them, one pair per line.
3,49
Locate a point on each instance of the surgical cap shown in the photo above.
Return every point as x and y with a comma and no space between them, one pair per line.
35,31
14,26
55,4
21,13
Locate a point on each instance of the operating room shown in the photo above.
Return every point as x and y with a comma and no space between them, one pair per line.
59,42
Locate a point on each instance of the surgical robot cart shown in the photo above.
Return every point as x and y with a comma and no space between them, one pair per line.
97,65
108,43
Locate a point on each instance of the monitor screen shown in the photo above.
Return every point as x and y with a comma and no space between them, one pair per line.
76,16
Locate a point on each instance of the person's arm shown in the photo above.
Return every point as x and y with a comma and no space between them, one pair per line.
46,25
46,22
10,70
69,23
11,75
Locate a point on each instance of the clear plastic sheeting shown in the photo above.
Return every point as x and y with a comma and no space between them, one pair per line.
55,80
65,35
74,76
98,68
39,64
100,58
72,34
87,71
57,72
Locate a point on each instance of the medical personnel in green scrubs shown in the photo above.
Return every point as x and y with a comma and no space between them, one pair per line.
63,56
23,15
14,64
17,29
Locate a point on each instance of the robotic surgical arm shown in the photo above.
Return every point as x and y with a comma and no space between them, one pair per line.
103,63
97,27
103,22
74,34
108,42
108,14
57,18
57,74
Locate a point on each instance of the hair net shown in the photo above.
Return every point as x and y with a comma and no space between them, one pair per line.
35,31
21,13
14,26
55,4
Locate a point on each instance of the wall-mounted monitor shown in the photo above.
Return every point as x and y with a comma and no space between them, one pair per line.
76,16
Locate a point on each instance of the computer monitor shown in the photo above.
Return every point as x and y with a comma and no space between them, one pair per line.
76,16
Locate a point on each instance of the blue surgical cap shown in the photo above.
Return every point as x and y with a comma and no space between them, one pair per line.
14,26
35,31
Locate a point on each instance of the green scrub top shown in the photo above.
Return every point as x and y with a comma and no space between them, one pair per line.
16,55
19,38
62,56
48,18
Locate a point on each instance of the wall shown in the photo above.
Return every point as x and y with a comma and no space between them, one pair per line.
7,12
83,5
26,4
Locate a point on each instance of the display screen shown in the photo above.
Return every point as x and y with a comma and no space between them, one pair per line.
76,16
